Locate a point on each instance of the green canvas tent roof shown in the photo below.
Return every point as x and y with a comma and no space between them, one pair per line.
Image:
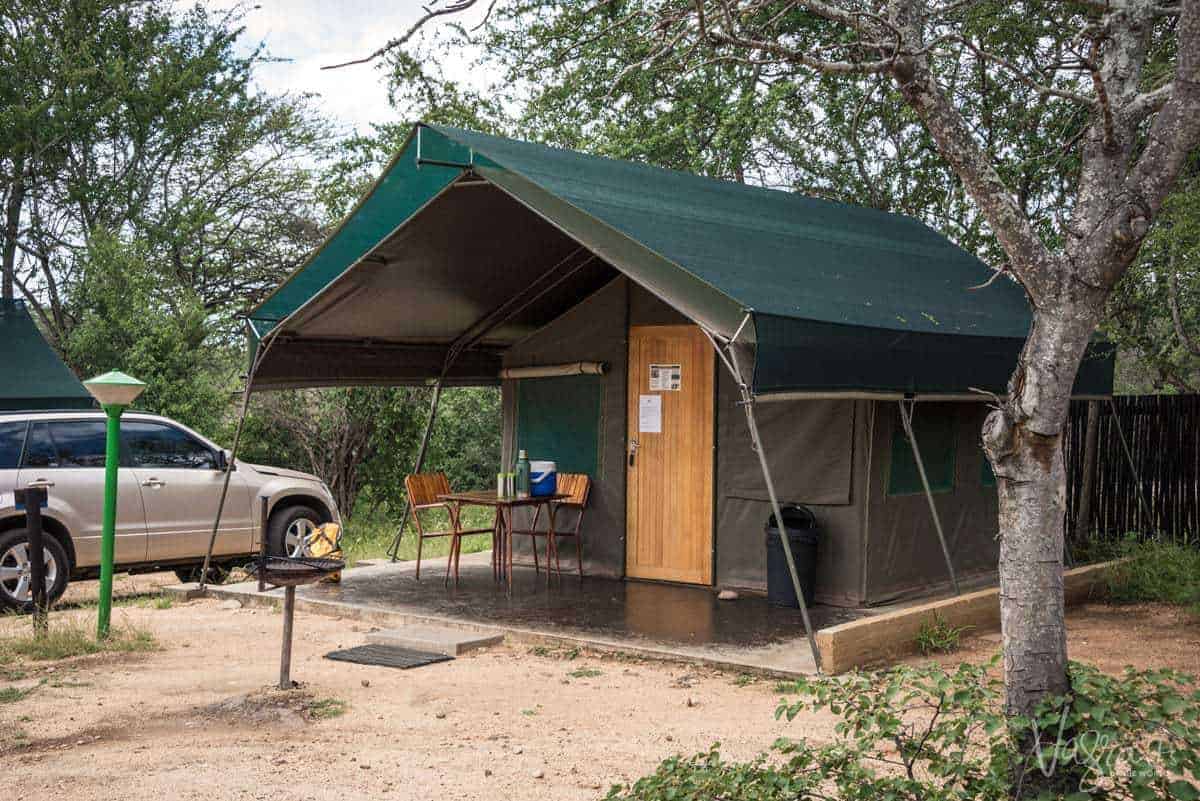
31,374
465,230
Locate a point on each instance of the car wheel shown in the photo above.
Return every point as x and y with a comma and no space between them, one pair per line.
191,574
15,576
289,529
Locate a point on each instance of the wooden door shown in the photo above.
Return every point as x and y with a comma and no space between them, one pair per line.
669,525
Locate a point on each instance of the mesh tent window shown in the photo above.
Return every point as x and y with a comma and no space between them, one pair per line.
935,431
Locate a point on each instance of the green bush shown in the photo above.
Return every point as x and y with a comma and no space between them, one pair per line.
1155,571
936,635
928,734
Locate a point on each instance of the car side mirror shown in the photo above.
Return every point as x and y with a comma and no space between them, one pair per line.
223,460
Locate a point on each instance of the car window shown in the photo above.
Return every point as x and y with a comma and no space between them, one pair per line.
39,448
65,443
12,438
159,445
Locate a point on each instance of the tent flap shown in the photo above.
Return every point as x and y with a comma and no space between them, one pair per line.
799,356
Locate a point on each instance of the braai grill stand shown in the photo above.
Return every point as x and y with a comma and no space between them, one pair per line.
289,573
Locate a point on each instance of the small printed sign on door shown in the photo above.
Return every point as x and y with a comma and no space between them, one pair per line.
666,377
650,414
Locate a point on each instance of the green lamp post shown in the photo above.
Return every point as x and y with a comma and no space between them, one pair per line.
114,391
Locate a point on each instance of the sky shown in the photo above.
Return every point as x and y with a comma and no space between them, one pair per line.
311,34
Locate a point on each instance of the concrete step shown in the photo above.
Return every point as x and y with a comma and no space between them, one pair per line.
452,642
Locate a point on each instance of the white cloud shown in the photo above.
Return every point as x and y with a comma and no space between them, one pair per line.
311,34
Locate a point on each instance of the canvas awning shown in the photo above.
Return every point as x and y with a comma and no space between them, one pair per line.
31,374
469,242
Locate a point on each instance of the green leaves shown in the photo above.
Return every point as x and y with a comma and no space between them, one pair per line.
913,734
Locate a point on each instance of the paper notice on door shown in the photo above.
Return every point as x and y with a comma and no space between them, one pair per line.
666,377
649,414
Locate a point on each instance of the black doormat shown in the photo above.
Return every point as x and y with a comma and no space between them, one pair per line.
387,656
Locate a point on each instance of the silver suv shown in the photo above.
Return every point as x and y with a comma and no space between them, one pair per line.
169,486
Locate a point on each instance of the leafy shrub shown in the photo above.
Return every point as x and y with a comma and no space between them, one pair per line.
936,635
928,734
1155,571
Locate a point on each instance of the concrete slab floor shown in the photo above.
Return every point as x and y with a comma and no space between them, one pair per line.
652,619
435,639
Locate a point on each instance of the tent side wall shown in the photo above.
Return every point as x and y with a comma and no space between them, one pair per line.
817,450
819,447
594,330
901,549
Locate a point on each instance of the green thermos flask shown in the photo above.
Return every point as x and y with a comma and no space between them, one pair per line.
522,481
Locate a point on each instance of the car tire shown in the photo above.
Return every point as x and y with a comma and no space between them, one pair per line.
288,526
14,563
191,574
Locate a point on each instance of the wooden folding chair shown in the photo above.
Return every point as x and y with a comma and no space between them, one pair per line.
424,490
577,486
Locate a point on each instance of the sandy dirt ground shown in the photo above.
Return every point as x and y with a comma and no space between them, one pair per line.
1111,638
501,723
194,720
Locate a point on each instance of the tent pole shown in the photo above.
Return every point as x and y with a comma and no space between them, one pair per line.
420,462
260,353
747,403
906,418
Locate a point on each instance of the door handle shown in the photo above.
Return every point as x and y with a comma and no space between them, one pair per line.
633,448
153,482
40,482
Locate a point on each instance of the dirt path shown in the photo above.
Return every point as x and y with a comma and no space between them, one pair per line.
173,724
190,721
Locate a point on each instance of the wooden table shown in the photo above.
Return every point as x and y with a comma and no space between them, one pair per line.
503,555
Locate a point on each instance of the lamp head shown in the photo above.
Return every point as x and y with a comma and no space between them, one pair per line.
115,388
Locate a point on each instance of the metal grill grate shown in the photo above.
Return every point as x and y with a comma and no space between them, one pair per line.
387,656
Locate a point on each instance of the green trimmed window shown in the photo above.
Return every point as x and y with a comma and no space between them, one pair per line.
935,431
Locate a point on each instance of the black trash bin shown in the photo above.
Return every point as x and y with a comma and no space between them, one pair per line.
803,535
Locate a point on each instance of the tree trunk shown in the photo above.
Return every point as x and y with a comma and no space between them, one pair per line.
12,228
1023,440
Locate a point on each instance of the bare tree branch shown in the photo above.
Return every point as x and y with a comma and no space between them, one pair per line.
392,44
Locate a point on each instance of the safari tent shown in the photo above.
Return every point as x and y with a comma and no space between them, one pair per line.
31,374
661,331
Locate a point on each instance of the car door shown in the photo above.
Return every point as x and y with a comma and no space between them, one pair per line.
67,456
181,488
12,441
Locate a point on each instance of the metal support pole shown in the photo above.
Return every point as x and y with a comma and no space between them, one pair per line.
237,439
1132,465
33,497
285,656
420,462
730,360
108,532
906,418
264,507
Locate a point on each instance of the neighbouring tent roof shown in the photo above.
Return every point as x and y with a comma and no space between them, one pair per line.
463,227
31,374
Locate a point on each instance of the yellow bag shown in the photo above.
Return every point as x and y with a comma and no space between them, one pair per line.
325,541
